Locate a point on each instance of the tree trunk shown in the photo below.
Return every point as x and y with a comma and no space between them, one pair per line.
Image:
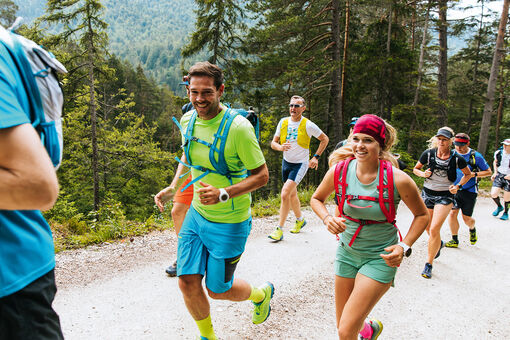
336,74
443,64
475,73
420,75
344,59
93,123
499,116
491,86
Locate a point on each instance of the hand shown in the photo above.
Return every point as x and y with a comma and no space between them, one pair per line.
208,194
395,256
286,146
507,177
163,197
313,163
493,177
427,173
453,189
335,225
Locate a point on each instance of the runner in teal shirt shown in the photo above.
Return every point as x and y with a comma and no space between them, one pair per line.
368,253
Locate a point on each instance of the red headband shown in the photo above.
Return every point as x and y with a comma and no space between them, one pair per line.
373,126
461,140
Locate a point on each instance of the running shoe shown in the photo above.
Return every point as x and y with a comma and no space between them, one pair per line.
498,210
262,309
504,217
377,328
427,271
200,337
297,226
439,251
172,269
454,244
276,235
472,237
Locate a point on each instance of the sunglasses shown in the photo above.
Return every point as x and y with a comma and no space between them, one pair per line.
295,105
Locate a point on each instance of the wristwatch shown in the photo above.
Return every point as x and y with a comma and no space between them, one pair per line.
224,196
317,156
407,249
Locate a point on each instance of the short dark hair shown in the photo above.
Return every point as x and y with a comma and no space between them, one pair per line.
205,68
462,135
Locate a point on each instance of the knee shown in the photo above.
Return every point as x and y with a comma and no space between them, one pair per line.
215,296
434,231
285,194
188,285
347,331
178,211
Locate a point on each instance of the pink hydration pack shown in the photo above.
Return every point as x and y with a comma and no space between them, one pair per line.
342,197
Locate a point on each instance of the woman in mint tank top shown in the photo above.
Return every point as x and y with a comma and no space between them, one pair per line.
368,251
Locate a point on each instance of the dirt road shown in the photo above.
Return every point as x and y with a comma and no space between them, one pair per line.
120,291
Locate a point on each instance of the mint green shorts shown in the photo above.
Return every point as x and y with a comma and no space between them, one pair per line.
349,263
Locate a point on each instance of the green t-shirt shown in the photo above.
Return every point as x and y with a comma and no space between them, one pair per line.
242,150
373,238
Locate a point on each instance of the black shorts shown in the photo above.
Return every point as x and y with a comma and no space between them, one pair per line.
465,201
501,182
432,197
27,314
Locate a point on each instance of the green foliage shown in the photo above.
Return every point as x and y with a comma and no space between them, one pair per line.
8,11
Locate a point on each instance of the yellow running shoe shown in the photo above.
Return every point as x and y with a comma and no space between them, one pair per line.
297,226
276,235
262,309
452,244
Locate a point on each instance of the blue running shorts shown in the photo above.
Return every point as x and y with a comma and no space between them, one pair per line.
293,171
211,249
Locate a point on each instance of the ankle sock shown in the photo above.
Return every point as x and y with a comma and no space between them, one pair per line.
367,331
205,327
472,230
455,238
256,295
300,219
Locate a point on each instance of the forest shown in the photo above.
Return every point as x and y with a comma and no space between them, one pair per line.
346,58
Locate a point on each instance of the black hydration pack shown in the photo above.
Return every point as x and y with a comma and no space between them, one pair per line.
452,164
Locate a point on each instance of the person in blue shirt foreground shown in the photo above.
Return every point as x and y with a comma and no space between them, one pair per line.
465,198
28,184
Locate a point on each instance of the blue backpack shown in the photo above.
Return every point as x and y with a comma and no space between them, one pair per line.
215,151
38,70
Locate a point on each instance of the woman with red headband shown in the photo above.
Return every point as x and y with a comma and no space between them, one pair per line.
369,187
439,189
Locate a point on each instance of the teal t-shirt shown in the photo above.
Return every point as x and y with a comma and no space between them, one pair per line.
242,151
373,238
26,244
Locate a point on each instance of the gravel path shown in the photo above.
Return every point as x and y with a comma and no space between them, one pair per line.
120,291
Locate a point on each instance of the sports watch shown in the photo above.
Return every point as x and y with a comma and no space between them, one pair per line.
407,249
224,196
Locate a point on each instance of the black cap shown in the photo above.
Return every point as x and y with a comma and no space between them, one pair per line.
445,133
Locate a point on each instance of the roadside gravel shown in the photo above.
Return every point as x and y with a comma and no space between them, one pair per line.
119,290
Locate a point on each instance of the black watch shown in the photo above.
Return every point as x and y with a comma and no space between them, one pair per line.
317,156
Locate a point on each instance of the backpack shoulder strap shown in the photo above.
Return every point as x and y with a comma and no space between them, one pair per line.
386,167
341,168
221,136
27,77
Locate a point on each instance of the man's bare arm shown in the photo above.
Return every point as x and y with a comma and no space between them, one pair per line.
27,177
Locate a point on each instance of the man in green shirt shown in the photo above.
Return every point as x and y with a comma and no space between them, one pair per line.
215,230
